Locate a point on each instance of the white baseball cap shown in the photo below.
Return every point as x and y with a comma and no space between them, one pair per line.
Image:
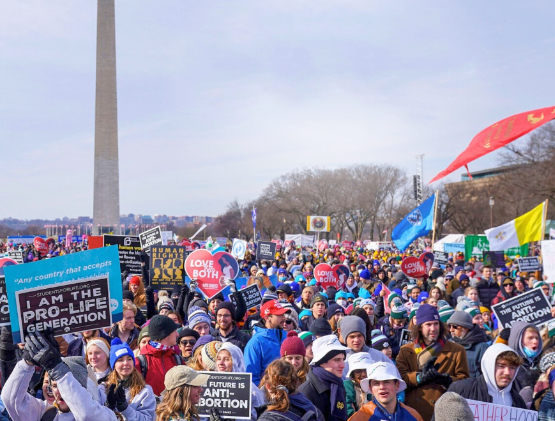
359,361
323,345
382,371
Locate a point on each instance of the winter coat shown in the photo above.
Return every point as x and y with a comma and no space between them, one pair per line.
262,349
451,359
487,291
132,340
158,363
300,408
484,388
475,344
317,392
459,292
529,371
393,335
141,408
371,412
352,391
23,407
502,296
236,337
547,408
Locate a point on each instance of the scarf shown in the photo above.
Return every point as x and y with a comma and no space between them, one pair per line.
424,353
158,345
338,409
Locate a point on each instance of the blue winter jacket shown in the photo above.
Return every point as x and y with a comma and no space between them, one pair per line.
262,349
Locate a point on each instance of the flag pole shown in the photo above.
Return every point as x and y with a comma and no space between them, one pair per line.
544,219
435,218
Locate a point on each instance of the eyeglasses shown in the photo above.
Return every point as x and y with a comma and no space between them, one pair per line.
289,322
454,327
191,342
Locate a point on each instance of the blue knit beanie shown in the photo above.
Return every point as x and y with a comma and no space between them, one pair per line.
426,313
117,350
365,274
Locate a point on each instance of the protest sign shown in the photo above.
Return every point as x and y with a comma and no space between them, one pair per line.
166,266
4,263
82,266
16,255
548,260
331,276
150,238
406,337
167,236
485,411
495,259
453,247
23,239
41,245
417,267
266,250
229,393
211,270
239,248
531,307
441,257
529,264
65,307
95,241
318,223
4,307
129,248
251,295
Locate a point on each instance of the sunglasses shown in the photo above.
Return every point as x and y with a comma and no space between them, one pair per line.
454,327
191,342
288,322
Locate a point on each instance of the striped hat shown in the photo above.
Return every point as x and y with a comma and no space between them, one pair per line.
379,340
209,353
538,284
399,312
413,310
367,301
472,311
445,312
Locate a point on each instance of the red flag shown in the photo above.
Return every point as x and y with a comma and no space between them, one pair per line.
499,134
387,310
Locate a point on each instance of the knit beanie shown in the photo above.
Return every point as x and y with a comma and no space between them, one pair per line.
165,305
472,311
227,305
484,310
135,280
321,327
197,317
119,349
379,340
161,327
413,310
101,343
331,293
142,334
188,332
269,295
292,345
392,296
305,313
307,338
461,318
538,284
203,340
423,296
365,274
209,353
351,324
127,295
319,298
426,313
334,309
367,301
198,302
78,368
547,361
452,407
399,312
445,312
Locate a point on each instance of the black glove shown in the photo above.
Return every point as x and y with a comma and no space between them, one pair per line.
121,400
111,399
444,380
215,415
149,291
42,352
505,333
429,376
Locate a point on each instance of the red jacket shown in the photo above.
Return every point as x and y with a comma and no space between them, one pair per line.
158,364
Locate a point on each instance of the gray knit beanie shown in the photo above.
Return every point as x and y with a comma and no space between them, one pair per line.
78,369
350,324
460,318
452,407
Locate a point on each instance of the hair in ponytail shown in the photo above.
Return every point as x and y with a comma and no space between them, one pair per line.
279,381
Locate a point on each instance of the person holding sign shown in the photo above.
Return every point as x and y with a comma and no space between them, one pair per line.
125,389
76,398
500,366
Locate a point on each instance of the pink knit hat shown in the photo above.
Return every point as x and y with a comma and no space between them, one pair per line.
292,345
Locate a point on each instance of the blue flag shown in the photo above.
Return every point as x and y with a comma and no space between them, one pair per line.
416,224
253,218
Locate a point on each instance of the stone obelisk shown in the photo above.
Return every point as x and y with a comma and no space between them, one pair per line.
106,171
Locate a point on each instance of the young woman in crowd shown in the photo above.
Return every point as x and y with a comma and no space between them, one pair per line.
98,357
125,390
294,352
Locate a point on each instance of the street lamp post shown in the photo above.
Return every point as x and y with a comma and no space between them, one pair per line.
491,203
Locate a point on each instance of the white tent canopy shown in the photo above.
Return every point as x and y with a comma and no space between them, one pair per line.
451,238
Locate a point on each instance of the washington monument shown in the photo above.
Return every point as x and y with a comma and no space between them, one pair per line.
106,171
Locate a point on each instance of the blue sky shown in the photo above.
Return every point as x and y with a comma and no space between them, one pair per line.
218,98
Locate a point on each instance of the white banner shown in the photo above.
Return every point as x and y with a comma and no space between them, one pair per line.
239,248
485,411
300,239
548,259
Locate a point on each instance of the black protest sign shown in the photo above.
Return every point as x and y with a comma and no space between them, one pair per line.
266,250
251,295
67,307
150,238
494,259
16,255
129,248
229,393
4,308
531,307
406,337
441,257
166,266
529,264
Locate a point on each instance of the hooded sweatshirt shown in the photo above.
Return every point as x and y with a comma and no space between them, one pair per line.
257,397
529,371
499,396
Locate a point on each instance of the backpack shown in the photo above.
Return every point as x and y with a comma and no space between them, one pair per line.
143,362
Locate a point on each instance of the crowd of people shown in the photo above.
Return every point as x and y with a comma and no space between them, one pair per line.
378,346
